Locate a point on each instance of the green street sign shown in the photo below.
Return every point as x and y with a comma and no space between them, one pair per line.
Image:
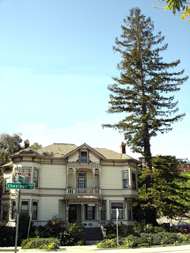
30,186
21,179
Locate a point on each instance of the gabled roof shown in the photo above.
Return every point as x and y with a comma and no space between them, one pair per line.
63,150
57,150
27,151
110,154
87,147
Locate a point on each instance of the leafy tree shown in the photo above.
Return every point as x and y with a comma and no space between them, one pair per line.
36,146
9,144
141,92
177,6
169,190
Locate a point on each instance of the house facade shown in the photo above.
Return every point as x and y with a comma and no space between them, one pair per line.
74,183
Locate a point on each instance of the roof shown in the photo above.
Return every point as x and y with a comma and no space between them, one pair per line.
185,168
62,150
57,150
110,154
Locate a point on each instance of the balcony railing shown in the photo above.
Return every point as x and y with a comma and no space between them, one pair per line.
82,191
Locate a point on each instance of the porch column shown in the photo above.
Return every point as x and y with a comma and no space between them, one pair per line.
108,210
74,178
99,178
93,173
67,178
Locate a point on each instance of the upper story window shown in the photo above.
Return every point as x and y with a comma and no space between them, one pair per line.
125,179
83,157
35,177
34,172
81,180
134,181
26,179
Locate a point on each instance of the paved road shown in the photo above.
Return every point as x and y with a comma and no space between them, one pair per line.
93,249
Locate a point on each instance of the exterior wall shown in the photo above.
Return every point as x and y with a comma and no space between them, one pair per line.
48,208
93,158
61,209
74,157
53,176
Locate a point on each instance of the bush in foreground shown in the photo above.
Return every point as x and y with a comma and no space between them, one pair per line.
146,239
40,243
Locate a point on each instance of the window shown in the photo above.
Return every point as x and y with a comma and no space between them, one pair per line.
129,211
81,180
134,181
26,179
6,182
125,179
24,207
83,157
90,212
113,210
5,212
34,210
35,177
13,215
16,178
103,211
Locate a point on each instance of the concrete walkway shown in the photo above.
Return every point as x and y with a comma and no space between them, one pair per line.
90,248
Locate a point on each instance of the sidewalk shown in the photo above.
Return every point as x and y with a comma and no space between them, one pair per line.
12,249
90,248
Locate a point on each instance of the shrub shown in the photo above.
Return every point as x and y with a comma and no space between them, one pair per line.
147,239
108,243
40,243
52,229
7,235
24,220
111,228
72,234
81,242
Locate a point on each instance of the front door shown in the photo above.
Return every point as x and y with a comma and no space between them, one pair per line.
72,213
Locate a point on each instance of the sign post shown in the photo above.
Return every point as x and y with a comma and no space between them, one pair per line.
117,216
19,186
17,220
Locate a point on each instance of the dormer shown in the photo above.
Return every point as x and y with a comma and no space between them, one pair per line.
84,154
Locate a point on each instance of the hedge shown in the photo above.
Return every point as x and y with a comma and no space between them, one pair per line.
40,243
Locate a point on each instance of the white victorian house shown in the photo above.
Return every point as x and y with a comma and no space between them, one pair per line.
74,183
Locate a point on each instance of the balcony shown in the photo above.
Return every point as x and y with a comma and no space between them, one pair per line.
83,191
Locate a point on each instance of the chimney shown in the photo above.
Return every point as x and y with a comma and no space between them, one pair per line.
26,143
123,145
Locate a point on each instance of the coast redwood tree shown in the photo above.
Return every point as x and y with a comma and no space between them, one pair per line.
142,92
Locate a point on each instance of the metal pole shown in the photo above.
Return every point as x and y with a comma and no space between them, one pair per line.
17,220
117,215
29,224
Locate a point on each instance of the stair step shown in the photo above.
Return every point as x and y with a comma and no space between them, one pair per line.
92,234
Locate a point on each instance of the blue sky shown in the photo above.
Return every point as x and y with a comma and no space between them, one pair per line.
56,60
